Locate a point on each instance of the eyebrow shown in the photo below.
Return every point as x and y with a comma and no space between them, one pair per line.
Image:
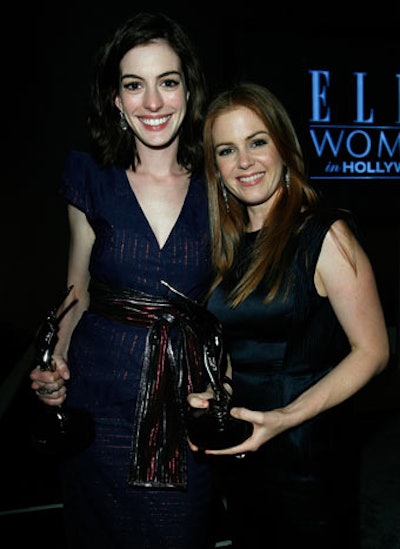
255,134
162,75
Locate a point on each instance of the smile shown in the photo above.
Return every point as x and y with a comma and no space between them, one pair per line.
251,178
155,121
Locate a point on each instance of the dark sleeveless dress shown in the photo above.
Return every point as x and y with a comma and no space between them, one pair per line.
105,357
299,489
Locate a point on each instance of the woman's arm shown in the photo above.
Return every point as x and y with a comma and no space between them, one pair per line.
344,274
81,243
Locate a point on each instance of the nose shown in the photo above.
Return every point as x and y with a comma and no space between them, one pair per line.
153,99
245,159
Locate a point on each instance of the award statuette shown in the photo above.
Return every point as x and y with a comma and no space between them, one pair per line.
57,430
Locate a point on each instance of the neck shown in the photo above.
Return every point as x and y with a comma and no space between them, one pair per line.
158,161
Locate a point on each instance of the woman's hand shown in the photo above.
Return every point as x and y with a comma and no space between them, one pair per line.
266,425
199,400
49,385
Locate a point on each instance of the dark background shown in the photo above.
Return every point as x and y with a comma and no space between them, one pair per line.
47,52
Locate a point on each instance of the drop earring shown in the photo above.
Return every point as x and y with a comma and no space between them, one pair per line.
122,121
224,194
287,178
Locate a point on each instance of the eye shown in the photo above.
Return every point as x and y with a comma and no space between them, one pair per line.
170,83
260,142
225,151
133,85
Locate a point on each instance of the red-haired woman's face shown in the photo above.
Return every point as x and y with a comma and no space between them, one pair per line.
247,159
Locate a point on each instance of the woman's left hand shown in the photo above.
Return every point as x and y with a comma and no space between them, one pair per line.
266,425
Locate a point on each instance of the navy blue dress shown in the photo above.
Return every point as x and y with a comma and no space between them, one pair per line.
300,488
105,357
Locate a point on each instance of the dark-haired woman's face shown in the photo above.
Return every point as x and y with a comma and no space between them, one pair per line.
152,94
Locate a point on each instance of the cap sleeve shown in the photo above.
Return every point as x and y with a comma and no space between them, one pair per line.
77,179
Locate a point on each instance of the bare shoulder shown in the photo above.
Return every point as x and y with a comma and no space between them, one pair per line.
340,239
341,258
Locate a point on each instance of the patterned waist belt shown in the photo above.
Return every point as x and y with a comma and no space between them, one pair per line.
171,369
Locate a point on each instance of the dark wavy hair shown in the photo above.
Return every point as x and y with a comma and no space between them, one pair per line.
110,145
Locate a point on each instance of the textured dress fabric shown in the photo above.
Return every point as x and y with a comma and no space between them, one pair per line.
299,489
105,357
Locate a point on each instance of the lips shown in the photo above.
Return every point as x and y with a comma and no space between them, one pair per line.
155,123
250,180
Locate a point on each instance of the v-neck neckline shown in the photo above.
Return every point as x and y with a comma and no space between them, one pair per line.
142,213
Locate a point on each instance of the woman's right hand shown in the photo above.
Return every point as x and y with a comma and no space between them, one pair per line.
200,400
49,385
